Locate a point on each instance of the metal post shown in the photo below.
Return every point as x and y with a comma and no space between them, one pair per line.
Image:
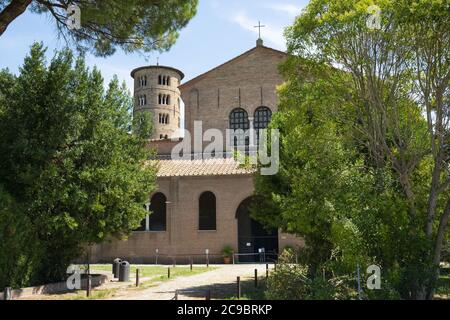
256,278
207,257
88,286
137,277
267,271
156,260
239,288
168,272
191,264
208,295
176,295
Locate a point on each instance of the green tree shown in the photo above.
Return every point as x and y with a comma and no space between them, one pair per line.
18,247
361,163
132,25
68,158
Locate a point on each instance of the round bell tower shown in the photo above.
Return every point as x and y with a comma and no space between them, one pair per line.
156,91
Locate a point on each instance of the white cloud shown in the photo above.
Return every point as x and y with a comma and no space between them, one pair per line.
291,9
271,32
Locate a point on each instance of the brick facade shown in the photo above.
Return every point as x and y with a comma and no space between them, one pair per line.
248,81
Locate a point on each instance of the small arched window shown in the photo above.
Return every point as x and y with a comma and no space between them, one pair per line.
239,121
157,219
143,81
164,99
164,80
142,100
207,211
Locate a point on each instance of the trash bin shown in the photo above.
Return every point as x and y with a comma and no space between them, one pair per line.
7,294
115,267
124,271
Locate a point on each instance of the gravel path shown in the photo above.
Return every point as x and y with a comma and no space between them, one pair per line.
221,282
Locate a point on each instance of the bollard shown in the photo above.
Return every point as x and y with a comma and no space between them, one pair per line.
7,294
168,272
176,295
208,295
191,264
267,271
137,277
256,278
88,286
239,288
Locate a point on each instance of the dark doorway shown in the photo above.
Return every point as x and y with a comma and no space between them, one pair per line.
252,236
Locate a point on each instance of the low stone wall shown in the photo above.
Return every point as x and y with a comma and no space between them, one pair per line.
55,288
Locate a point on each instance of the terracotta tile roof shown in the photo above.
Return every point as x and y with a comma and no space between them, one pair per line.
208,167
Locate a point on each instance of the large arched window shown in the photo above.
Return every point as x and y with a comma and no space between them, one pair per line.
239,120
263,115
157,219
207,211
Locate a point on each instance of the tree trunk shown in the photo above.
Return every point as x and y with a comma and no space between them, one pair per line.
11,12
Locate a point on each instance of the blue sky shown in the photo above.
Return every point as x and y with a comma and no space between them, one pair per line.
221,30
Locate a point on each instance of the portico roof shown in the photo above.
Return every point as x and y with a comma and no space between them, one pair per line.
205,167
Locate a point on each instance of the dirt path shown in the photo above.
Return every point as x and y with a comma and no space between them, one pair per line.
221,282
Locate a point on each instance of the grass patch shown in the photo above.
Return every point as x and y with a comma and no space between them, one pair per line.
81,295
157,274
174,273
149,271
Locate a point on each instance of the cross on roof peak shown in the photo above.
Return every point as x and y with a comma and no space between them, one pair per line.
259,26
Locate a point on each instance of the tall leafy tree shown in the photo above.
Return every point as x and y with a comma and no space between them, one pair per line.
68,158
131,25
387,114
